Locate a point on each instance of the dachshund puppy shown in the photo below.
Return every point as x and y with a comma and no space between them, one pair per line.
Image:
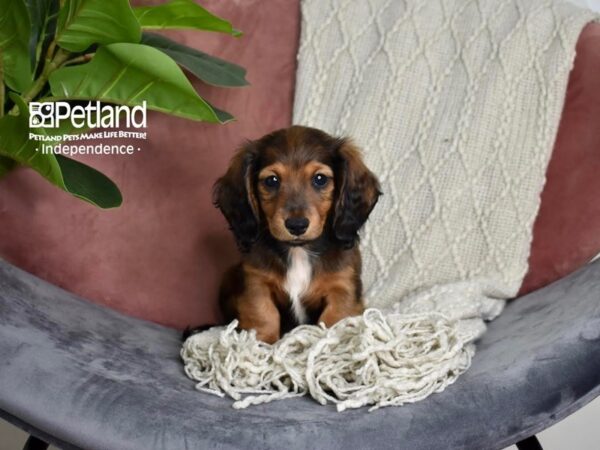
295,200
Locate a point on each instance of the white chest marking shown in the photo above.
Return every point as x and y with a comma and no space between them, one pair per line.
297,280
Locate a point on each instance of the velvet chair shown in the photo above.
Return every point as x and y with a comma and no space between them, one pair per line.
92,302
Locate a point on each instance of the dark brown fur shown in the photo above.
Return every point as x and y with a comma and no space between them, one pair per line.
253,291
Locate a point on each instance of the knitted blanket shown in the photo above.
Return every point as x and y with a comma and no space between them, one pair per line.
456,104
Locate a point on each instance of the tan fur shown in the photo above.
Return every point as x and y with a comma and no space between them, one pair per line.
295,180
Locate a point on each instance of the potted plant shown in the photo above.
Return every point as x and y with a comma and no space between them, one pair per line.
84,51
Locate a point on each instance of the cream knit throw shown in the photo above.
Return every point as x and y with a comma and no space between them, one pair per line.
456,104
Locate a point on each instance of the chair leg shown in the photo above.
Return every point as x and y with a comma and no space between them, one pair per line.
34,443
530,443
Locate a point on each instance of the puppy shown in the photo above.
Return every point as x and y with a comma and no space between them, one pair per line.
295,201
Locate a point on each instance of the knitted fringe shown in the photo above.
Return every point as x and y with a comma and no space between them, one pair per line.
380,359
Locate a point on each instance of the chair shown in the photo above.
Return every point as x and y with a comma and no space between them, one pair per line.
78,375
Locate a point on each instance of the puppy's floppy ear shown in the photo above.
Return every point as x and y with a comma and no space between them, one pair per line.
357,193
234,195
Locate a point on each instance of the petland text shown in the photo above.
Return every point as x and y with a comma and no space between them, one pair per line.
92,115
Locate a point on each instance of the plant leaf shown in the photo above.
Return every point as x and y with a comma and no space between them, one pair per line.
182,14
15,28
82,23
131,74
71,176
43,14
6,165
209,69
89,184
14,143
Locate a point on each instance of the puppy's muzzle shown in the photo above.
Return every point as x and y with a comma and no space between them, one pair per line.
297,225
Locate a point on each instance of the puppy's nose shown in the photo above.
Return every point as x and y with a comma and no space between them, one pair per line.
296,225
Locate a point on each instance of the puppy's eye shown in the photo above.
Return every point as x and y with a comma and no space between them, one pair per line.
271,182
320,180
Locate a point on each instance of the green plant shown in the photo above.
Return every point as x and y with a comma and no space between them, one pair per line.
99,50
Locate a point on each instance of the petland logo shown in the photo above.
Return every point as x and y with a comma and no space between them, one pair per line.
93,115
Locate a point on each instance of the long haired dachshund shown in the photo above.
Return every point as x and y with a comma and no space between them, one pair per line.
295,201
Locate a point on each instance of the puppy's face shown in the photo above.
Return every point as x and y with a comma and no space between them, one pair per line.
295,194
297,183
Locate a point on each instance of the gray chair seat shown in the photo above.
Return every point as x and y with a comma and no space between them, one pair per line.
82,376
